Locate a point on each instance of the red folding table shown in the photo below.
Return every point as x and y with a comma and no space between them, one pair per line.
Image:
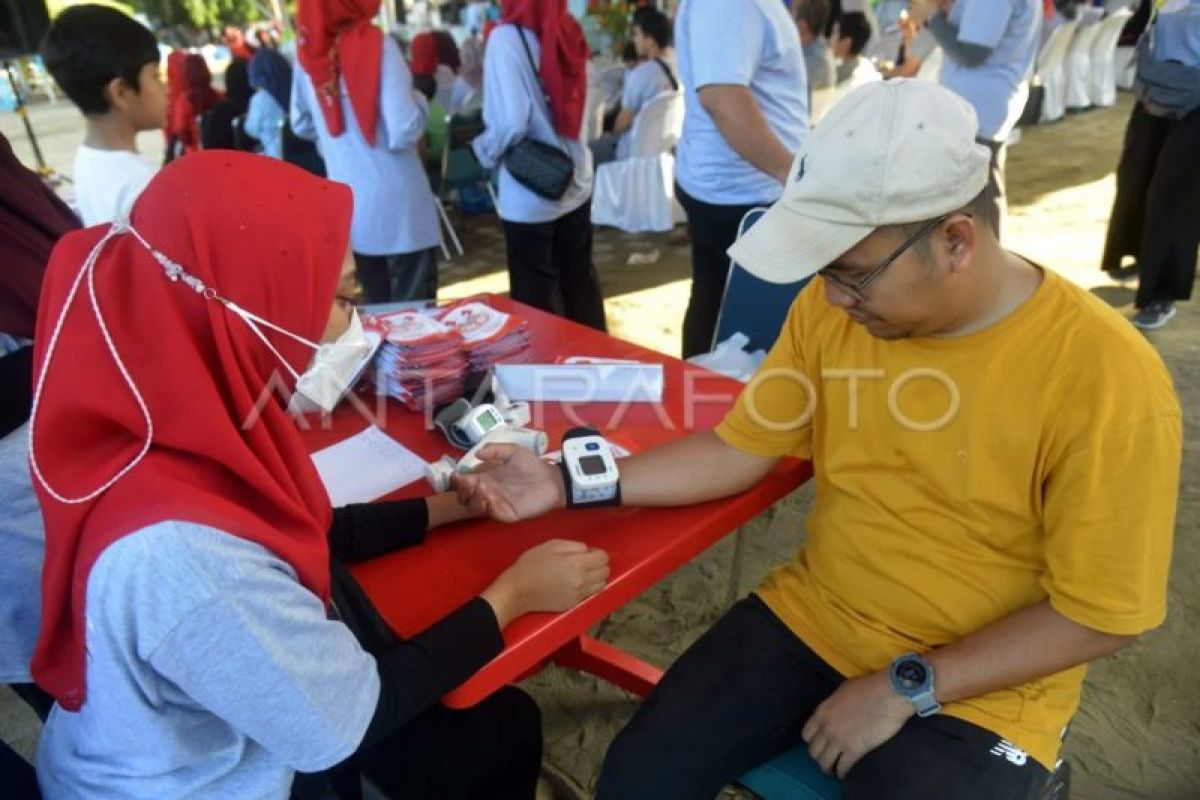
415,587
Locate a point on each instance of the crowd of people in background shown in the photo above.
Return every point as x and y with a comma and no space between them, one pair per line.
251,678
748,101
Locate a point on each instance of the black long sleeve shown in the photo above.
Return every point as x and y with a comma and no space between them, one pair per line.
415,674
366,530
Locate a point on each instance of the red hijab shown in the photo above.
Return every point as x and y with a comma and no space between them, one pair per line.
276,252
337,40
563,58
175,91
447,50
32,219
196,96
423,54
197,84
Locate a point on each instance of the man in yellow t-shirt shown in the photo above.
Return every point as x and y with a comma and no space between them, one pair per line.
996,456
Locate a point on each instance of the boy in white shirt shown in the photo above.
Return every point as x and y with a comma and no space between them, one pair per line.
854,69
107,63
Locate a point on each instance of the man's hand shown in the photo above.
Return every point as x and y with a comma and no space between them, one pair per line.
741,122
861,715
512,484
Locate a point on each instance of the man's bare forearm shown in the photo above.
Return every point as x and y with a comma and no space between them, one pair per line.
741,122
1026,646
694,469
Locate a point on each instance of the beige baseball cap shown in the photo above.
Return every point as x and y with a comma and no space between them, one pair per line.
888,153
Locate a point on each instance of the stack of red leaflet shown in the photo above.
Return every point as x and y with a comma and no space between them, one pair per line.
489,336
420,362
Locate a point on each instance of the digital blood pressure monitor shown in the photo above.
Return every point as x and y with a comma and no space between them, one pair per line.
478,422
589,470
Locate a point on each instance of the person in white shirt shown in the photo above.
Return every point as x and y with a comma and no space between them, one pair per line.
548,241
990,47
653,75
745,115
107,63
354,95
854,69
271,79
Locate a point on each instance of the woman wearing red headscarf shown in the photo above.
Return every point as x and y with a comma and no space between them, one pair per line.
175,89
190,634
194,97
549,242
434,54
354,94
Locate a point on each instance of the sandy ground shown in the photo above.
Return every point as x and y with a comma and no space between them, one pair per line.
1138,731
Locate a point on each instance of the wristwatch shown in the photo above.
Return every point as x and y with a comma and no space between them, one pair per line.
912,679
589,471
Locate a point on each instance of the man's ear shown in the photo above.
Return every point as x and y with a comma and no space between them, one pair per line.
961,240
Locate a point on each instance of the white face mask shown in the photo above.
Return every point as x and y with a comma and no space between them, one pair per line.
332,371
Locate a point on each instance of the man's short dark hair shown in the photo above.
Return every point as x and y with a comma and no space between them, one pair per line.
815,13
88,46
654,24
855,26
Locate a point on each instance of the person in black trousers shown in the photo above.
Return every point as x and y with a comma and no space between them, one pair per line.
534,87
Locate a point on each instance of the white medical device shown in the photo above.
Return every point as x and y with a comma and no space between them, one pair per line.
590,476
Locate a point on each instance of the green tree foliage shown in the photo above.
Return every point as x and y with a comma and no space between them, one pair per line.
199,13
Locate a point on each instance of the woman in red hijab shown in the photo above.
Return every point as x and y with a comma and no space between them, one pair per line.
435,54
194,97
423,54
175,89
192,631
539,46
354,94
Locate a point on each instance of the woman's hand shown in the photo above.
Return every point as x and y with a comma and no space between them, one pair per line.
554,576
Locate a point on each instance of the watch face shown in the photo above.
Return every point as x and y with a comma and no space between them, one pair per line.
911,674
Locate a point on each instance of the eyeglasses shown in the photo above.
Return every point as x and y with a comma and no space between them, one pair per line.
858,289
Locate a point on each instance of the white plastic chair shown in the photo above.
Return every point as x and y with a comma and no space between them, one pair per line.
637,194
593,114
1052,70
1078,65
1126,59
1103,88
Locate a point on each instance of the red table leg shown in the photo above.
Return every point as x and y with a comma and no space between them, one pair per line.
610,663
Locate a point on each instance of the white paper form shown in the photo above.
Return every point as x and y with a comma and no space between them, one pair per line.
366,466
